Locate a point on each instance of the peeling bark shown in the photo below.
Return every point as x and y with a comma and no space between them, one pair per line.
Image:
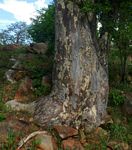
80,91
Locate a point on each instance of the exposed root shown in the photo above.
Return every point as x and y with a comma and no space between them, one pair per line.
26,139
17,106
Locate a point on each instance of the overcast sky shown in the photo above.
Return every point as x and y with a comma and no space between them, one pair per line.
19,10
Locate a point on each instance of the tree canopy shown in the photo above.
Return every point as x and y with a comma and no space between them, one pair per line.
42,27
16,33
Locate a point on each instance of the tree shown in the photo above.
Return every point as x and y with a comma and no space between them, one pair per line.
42,27
16,33
116,20
122,34
80,91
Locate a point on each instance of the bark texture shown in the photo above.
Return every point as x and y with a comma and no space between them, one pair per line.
80,91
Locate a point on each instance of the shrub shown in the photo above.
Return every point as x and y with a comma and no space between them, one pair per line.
115,97
118,132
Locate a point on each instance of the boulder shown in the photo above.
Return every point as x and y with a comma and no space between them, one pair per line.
65,131
40,48
10,72
24,94
46,142
72,144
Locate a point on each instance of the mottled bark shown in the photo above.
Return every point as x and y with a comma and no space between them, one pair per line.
80,91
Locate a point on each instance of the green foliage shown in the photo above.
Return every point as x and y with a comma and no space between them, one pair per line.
126,87
42,28
41,89
38,65
2,117
118,132
115,97
90,6
3,108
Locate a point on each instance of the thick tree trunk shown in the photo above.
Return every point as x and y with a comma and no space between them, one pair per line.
80,91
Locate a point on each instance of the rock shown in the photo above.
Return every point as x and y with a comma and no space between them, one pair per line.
24,93
71,144
118,145
18,75
127,106
46,142
65,131
16,106
40,48
10,72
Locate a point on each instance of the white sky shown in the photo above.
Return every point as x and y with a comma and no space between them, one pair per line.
21,10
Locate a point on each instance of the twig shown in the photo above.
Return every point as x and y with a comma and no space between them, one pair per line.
24,140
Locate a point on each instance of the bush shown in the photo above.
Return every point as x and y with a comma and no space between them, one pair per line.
42,90
115,97
2,117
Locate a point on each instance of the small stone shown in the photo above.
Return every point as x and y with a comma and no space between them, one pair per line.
65,131
46,142
72,144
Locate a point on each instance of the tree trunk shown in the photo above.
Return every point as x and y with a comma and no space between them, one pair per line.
80,91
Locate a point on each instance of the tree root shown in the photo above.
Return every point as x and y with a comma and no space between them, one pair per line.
26,139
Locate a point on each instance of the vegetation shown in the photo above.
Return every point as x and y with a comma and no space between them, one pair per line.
42,28
116,97
115,18
16,33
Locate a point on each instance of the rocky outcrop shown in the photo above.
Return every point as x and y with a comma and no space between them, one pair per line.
10,72
39,48
30,76
25,94
65,131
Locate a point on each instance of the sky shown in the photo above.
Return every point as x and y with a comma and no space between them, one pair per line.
12,11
